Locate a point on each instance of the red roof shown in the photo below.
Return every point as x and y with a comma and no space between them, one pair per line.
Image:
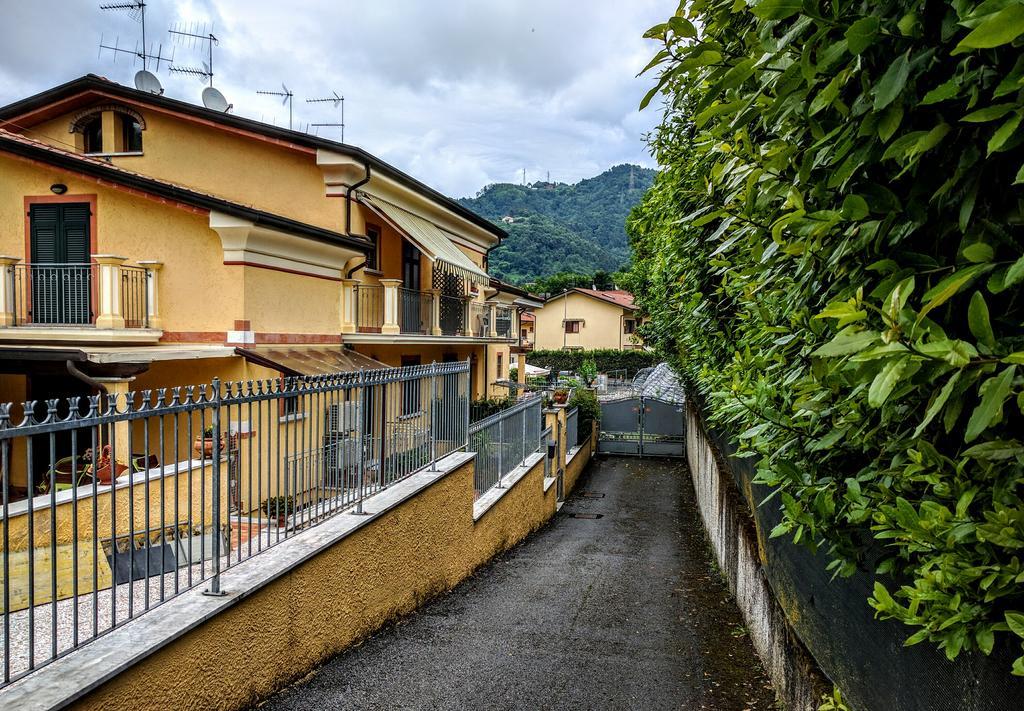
527,316
614,296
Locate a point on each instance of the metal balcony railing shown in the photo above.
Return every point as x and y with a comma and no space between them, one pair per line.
503,321
369,308
68,294
415,311
452,315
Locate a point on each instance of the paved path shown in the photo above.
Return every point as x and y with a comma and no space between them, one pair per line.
621,612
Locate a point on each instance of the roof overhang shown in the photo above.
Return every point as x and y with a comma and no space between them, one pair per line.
81,91
309,360
246,242
103,172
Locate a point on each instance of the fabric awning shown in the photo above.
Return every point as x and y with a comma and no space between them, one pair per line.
431,239
309,360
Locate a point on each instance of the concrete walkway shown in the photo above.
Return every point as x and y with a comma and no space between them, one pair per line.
622,611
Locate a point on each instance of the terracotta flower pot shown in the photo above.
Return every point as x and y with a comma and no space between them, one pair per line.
104,474
561,397
203,446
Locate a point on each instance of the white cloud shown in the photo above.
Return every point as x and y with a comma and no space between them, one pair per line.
459,93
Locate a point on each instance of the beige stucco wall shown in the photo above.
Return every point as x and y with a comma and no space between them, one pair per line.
320,608
197,291
277,178
602,327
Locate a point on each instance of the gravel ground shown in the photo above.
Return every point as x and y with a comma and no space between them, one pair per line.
43,616
625,611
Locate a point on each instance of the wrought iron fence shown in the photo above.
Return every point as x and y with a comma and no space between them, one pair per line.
54,294
503,441
135,296
572,429
415,311
369,308
134,499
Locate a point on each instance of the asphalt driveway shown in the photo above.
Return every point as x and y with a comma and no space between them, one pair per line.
625,611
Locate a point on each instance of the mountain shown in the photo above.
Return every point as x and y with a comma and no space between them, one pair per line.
561,227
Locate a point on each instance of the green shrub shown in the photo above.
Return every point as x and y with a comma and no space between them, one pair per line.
832,257
605,359
589,410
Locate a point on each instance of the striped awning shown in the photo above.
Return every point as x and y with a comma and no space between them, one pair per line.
429,238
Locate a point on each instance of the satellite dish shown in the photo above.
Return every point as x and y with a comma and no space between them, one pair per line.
214,100
147,81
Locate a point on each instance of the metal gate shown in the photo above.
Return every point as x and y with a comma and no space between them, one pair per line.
642,426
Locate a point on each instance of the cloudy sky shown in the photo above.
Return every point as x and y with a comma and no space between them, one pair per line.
460,93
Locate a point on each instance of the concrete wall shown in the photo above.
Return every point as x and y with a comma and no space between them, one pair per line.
271,635
733,538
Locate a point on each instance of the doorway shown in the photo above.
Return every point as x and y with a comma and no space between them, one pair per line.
60,274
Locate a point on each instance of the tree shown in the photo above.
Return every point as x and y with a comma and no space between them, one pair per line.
833,259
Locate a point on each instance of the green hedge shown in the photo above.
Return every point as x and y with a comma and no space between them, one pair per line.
832,256
605,359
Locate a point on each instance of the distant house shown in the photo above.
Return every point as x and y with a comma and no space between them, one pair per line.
587,319
508,219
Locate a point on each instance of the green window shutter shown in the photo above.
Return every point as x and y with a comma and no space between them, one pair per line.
45,234
76,233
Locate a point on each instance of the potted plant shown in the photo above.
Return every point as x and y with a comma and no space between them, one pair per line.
203,445
106,468
277,508
560,396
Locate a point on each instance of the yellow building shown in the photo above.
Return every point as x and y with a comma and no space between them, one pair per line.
148,243
587,319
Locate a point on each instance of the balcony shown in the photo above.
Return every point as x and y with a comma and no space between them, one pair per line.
103,300
372,312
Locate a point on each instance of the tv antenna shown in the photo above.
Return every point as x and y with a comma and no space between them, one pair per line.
287,94
136,11
337,101
193,35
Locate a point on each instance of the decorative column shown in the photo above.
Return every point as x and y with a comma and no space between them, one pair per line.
117,396
521,370
555,419
348,305
109,315
152,268
470,330
435,312
492,319
391,305
8,315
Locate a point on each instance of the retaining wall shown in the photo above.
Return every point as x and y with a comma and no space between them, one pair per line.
297,604
811,631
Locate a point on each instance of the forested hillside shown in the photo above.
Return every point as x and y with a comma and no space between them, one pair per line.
559,227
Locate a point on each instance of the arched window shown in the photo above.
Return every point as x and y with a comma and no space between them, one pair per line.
131,134
92,132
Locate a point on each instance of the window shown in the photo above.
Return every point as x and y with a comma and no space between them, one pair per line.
373,258
572,326
289,404
501,366
92,132
410,388
131,135
629,326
